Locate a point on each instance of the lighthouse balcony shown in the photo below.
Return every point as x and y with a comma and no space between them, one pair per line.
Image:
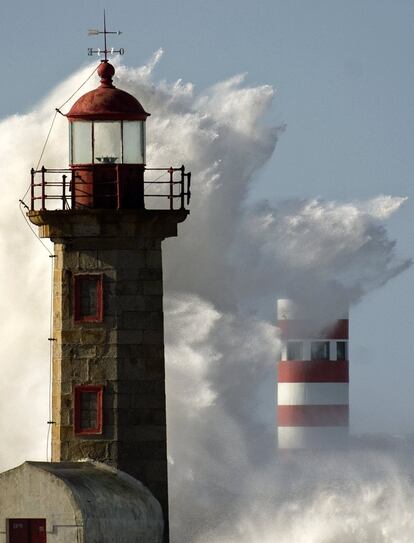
110,186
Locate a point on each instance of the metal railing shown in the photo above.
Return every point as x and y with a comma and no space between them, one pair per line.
64,189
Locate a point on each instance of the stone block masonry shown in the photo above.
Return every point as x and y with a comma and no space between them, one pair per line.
122,351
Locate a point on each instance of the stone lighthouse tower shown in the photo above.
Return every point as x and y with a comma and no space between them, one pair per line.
107,222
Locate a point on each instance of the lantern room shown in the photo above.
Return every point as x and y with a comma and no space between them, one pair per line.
107,146
107,162
107,125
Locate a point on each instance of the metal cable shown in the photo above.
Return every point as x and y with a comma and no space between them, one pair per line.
78,89
32,230
155,180
44,146
52,256
51,340
58,110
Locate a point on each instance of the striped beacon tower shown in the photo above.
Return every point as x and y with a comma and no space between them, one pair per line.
313,380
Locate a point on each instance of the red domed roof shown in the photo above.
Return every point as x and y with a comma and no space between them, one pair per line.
107,102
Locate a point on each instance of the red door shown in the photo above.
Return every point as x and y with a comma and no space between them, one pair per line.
37,530
27,530
18,530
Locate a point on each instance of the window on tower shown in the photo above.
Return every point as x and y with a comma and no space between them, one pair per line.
320,350
88,409
341,350
294,350
88,298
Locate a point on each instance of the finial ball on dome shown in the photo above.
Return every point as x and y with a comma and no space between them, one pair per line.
106,72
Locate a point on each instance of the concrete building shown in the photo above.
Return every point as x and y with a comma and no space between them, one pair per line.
76,501
108,385
313,380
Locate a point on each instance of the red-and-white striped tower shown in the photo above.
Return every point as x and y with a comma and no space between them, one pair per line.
313,380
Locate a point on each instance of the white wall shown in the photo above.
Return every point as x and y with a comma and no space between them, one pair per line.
26,492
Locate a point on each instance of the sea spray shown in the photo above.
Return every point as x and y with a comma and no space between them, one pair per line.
223,275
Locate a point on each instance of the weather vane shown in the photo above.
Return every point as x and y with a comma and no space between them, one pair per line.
105,50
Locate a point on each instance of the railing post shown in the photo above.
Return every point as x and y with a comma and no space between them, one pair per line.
171,172
118,188
182,169
188,188
72,189
32,189
43,170
64,191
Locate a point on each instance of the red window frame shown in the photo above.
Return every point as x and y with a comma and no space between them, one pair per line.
77,280
79,389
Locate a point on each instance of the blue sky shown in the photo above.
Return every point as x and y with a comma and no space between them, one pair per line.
343,72
344,75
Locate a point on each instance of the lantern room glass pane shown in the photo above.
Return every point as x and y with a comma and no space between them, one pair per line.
107,142
134,141
81,143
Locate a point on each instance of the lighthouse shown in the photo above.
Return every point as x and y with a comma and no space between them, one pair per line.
313,379
107,218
